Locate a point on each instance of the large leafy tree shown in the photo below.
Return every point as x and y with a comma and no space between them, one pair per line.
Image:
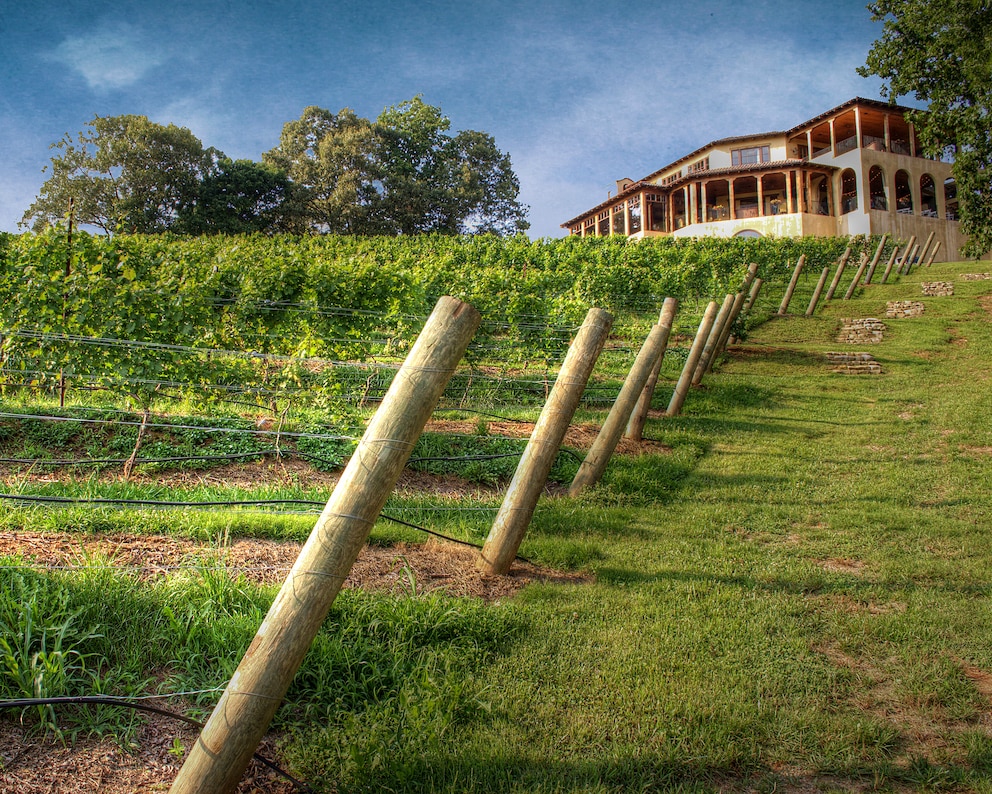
239,197
941,52
125,173
401,174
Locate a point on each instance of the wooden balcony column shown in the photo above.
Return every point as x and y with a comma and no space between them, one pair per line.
626,218
887,134
809,144
706,211
912,141
833,139
789,181
761,196
857,125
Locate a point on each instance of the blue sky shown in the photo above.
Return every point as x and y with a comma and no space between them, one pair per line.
579,93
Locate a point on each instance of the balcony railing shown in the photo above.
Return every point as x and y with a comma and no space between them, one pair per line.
847,145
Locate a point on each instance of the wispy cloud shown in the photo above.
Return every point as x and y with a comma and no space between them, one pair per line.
114,55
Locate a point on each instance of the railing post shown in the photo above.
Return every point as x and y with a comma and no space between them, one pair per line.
635,427
787,298
591,470
689,369
221,754
529,479
817,292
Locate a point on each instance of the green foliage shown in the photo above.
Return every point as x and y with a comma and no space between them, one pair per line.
938,51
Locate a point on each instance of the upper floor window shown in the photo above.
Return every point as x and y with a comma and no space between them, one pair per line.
700,165
751,156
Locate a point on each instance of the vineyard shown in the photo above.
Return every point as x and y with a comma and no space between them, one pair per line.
209,390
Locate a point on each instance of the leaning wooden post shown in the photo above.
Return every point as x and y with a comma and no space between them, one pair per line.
857,277
905,254
876,259
817,292
911,259
635,427
735,310
840,271
220,756
787,298
591,470
926,247
889,266
753,296
933,253
529,479
689,369
745,310
721,322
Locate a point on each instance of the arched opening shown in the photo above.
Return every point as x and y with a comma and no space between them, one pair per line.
876,189
717,200
951,199
848,191
904,194
773,191
748,233
819,195
746,197
928,196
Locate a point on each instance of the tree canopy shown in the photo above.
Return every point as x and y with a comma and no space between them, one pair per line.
941,52
403,173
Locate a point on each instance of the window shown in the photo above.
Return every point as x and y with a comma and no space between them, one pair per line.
848,192
752,156
876,189
700,165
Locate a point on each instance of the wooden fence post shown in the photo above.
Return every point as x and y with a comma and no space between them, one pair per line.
892,261
591,470
875,259
905,254
787,298
925,248
635,427
753,296
817,292
221,754
728,337
682,387
840,270
529,479
913,255
735,310
933,253
721,322
857,277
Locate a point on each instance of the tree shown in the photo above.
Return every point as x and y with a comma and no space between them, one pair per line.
402,174
238,197
941,51
330,159
127,173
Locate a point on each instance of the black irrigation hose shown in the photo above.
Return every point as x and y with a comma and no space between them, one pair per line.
138,461
98,700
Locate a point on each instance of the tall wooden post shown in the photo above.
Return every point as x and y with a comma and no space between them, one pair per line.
889,266
857,277
753,296
591,470
933,253
721,322
529,479
840,271
925,248
735,310
702,334
905,254
875,259
787,298
817,292
220,756
635,427
907,269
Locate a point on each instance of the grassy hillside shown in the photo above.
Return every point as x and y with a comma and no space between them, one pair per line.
795,598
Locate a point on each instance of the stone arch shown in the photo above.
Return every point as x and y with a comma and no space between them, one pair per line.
928,196
904,193
877,198
848,191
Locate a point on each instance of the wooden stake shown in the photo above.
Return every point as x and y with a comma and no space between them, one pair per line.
594,464
817,292
905,254
689,369
857,277
911,259
892,261
875,259
755,289
925,248
933,253
531,475
724,337
792,286
218,760
639,417
840,270
721,322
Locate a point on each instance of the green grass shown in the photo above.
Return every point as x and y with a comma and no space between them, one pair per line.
798,595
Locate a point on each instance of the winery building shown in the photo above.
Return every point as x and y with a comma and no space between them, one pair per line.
855,169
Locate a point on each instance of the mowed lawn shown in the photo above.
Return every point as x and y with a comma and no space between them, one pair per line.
796,598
